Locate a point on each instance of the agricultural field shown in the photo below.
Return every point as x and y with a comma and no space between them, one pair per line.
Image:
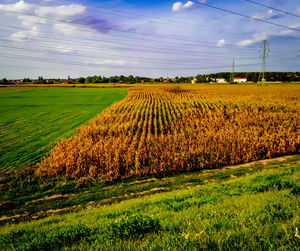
172,129
33,119
167,167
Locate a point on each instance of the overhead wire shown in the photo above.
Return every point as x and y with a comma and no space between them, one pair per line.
164,52
116,45
246,16
94,7
86,55
121,42
272,8
30,58
198,43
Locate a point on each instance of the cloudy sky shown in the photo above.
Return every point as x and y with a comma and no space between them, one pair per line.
57,38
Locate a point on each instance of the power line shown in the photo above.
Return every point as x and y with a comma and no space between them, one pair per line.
200,43
47,49
85,55
47,68
150,49
109,42
37,59
242,15
155,19
272,8
117,30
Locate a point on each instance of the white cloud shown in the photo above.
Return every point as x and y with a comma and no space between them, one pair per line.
180,6
66,28
64,49
188,4
29,21
289,32
177,6
268,15
221,43
20,6
114,62
263,36
23,35
63,11
35,15
255,39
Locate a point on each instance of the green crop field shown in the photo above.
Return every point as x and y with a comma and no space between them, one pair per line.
33,119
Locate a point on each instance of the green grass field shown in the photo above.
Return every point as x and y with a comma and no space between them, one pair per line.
253,207
33,119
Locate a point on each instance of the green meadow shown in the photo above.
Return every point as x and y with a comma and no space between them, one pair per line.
252,207
33,119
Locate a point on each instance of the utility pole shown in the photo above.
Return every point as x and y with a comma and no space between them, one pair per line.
232,73
264,53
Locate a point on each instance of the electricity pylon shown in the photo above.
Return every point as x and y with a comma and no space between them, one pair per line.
232,73
264,53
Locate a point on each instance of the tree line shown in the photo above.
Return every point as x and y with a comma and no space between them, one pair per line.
201,78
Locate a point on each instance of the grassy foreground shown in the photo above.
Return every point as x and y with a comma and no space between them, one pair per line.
247,208
33,119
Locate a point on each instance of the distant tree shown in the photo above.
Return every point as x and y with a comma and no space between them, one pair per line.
254,78
200,78
122,79
81,80
40,80
27,80
131,79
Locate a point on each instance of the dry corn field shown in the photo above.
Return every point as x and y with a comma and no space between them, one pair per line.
171,129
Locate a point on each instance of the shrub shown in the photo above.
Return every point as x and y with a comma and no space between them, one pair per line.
133,226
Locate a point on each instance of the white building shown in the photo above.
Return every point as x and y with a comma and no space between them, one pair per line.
221,80
239,80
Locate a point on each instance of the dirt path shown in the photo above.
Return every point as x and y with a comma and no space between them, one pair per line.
261,162
179,182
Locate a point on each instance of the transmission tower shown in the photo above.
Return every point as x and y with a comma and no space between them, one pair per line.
264,53
232,73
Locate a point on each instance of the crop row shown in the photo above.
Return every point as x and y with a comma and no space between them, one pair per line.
174,129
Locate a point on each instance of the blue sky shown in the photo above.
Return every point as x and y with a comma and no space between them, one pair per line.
57,38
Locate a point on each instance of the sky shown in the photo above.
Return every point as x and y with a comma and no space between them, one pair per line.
61,38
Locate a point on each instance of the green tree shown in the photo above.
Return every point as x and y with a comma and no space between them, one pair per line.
81,80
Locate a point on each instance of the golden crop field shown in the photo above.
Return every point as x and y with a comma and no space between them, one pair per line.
171,129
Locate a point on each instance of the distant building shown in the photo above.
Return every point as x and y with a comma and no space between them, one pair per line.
194,81
239,80
221,80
